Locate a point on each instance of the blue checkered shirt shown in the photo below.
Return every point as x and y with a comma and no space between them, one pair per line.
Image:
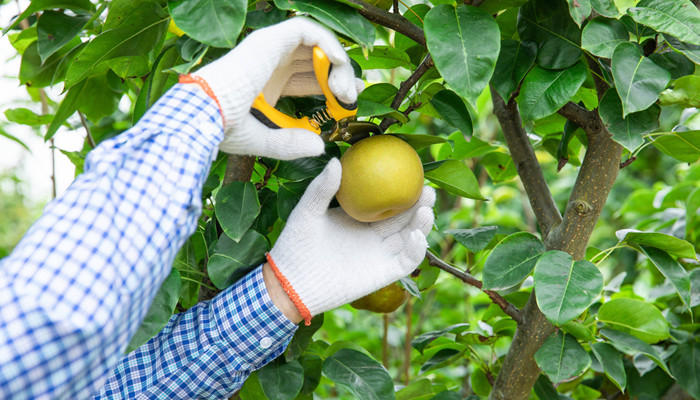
77,286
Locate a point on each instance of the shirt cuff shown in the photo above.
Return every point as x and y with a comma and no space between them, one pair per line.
250,322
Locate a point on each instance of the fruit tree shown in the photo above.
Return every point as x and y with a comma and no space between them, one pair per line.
563,137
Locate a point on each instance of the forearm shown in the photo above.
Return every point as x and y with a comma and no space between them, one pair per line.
208,351
76,287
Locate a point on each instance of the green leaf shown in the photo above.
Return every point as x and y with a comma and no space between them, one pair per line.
251,389
236,206
14,139
421,341
683,146
465,63
670,244
558,38
513,62
455,177
230,261
628,130
26,116
451,107
302,338
679,18
685,365
136,36
692,205
216,23
159,313
381,57
499,166
191,275
691,51
562,358
40,5
33,72
419,141
638,80
475,239
301,168
676,64
672,270
512,260
440,359
625,342
335,15
565,288
288,196
158,82
611,360
579,10
685,91
281,380
362,376
545,91
635,317
606,8
415,14
55,29
601,35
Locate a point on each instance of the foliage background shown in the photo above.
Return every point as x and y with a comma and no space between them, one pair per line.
448,123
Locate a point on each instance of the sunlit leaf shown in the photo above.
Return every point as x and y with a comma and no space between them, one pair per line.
679,18
512,260
634,317
216,23
455,177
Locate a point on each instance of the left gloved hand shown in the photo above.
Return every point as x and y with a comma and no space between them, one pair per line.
324,258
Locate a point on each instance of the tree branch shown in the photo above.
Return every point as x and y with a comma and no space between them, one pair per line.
587,120
496,298
405,87
528,167
391,20
88,135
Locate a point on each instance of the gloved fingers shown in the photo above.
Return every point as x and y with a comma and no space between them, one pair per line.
359,85
281,144
321,190
398,222
342,83
394,244
415,248
423,220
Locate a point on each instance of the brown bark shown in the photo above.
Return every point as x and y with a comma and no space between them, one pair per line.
593,184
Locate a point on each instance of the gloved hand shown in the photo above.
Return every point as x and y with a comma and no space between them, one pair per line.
277,61
325,258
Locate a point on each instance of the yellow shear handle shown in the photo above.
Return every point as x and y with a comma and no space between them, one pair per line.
322,69
274,118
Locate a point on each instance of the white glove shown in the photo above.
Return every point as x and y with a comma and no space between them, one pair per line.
325,258
277,61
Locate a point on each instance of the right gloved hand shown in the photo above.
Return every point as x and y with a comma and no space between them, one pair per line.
276,61
324,258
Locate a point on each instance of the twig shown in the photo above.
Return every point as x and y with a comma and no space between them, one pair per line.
627,162
385,341
407,342
89,138
528,167
600,85
496,298
404,88
587,120
391,20
395,9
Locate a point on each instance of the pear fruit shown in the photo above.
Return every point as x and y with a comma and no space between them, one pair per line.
382,176
384,300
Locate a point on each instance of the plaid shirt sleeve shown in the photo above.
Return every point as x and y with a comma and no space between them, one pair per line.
208,351
77,286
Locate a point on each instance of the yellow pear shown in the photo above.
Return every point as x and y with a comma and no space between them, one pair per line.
382,176
384,300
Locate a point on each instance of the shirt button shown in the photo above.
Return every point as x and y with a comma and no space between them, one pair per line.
265,342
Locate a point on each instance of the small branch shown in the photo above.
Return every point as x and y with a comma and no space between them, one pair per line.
627,162
496,298
600,85
89,138
385,341
407,342
404,88
391,20
528,167
580,116
395,8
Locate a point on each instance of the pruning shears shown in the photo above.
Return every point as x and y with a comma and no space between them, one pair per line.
346,127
